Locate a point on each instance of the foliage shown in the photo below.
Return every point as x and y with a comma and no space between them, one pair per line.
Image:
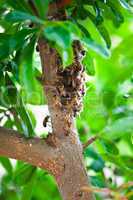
108,103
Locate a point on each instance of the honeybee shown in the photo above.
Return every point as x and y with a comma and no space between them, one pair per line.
45,121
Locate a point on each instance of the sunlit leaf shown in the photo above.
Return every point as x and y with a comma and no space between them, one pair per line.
108,146
119,128
32,91
62,34
88,63
126,5
27,125
23,174
91,44
19,5
42,7
6,164
10,43
18,16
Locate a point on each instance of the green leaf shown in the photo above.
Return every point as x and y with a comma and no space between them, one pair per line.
18,16
32,117
2,110
2,77
84,30
23,174
29,187
122,59
59,34
98,163
91,44
11,91
112,158
63,34
2,2
116,10
127,161
11,195
4,45
89,64
26,120
121,63
10,43
63,41
108,146
42,7
108,97
98,181
19,5
94,112
101,28
9,123
117,160
32,91
6,164
66,55
125,5
119,128
104,33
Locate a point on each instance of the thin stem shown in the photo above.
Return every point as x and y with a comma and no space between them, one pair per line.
90,141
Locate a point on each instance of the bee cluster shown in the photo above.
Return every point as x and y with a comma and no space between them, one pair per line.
70,84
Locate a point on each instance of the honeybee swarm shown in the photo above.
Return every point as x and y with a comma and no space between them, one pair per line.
70,82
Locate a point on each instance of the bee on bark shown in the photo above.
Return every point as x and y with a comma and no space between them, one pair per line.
68,124
60,89
59,61
57,101
46,120
65,100
37,48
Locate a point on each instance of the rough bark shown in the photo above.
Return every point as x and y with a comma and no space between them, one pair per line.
61,152
34,151
63,162
64,135
74,175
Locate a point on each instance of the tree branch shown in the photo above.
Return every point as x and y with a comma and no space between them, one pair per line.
90,141
34,151
62,89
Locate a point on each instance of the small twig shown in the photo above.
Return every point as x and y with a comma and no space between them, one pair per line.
90,141
125,185
95,189
106,191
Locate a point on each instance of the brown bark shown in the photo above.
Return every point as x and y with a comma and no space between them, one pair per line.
64,136
34,151
74,175
90,141
63,162
61,153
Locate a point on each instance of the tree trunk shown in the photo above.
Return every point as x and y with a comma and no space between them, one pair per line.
61,152
74,176
62,109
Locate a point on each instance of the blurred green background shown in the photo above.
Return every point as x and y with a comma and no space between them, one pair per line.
108,102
